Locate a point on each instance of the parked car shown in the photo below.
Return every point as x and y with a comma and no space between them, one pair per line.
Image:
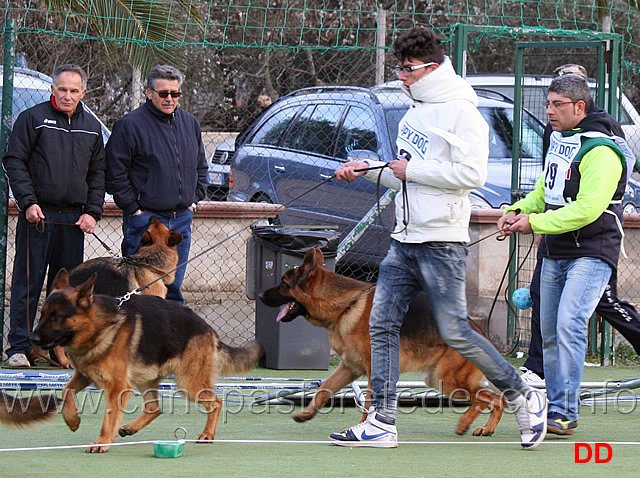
218,173
289,154
535,93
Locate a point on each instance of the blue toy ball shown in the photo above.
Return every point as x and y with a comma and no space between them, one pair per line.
522,298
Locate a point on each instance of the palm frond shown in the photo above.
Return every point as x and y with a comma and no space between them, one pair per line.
149,32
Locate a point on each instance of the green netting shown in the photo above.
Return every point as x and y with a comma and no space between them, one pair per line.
240,56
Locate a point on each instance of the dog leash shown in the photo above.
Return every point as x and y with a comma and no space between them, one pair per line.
128,295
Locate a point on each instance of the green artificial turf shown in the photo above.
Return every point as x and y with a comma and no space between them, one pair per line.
248,427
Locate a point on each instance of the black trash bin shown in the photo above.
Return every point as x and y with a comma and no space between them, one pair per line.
271,251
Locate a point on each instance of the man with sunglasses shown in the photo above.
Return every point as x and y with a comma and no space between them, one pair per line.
443,150
156,167
577,205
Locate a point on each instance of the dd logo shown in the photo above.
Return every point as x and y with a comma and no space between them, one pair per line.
587,453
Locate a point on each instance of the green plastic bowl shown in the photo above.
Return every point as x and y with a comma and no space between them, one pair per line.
168,449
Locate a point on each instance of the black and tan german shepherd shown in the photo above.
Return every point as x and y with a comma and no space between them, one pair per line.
342,305
157,257
136,344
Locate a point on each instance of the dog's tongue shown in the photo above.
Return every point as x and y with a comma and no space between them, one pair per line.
284,310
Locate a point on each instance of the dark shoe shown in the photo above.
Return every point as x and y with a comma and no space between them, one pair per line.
558,424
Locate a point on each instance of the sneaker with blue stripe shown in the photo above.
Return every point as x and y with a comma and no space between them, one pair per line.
377,431
530,410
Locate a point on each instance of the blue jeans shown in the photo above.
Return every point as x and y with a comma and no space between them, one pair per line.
570,289
438,268
133,227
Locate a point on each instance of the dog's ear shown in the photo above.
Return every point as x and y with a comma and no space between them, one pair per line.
85,292
61,280
147,239
312,259
174,239
319,258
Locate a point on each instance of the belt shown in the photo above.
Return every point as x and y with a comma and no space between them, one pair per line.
166,212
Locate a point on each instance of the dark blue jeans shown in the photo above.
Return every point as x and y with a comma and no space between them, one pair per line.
133,227
47,246
437,268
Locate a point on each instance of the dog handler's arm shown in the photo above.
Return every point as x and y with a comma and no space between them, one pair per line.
347,172
87,223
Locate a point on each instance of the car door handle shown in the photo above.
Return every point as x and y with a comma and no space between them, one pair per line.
279,169
324,177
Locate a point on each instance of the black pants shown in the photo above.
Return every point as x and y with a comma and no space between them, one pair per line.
620,314
48,246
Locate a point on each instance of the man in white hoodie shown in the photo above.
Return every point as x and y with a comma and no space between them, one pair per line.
443,149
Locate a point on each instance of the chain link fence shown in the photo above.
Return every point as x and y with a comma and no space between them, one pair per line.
244,66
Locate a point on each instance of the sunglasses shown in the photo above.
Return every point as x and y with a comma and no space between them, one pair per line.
163,94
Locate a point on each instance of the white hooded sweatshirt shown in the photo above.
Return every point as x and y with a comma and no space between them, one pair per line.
447,141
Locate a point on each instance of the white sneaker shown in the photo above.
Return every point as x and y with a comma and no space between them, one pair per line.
531,414
529,376
18,361
376,432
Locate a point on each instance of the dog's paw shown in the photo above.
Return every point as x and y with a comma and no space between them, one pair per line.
482,432
95,448
204,437
302,417
462,429
126,431
72,422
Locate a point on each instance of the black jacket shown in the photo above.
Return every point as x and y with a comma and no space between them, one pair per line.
156,161
56,162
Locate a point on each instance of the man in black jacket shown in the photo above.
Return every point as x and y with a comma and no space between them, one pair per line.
55,165
156,167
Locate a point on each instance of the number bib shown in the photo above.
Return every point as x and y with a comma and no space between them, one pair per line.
562,152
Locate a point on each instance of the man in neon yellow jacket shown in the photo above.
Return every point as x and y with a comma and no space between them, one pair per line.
577,205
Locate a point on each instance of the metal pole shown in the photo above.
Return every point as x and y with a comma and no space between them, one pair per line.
5,129
369,218
380,44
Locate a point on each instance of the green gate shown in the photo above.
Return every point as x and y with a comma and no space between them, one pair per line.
533,69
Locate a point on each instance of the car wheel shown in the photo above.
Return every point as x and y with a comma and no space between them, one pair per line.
274,221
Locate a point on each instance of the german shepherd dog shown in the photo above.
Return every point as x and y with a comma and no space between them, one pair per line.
157,256
138,342
342,305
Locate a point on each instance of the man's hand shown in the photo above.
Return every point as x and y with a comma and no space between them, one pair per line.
34,213
512,222
86,223
347,172
399,168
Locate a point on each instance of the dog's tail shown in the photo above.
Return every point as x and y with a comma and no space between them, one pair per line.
25,411
239,359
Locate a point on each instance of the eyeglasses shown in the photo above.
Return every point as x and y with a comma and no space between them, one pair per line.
163,94
409,69
556,105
